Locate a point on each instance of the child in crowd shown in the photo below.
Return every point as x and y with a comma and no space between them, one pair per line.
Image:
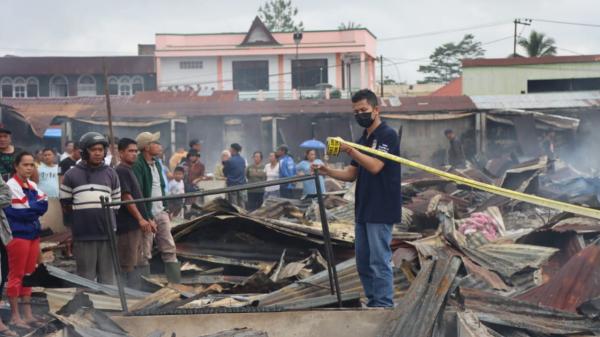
176,187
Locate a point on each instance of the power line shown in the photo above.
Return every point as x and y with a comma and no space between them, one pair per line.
439,32
568,23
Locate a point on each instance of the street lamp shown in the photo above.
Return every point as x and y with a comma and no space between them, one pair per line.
297,40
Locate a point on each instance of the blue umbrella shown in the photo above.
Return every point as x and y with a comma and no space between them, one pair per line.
312,144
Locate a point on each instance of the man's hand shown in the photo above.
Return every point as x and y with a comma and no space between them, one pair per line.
153,226
323,169
145,226
346,148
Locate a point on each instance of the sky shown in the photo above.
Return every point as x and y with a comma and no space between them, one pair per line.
115,27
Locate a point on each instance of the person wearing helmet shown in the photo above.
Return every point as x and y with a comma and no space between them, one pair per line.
80,192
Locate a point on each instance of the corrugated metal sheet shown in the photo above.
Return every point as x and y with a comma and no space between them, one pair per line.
580,99
318,285
576,282
418,310
505,311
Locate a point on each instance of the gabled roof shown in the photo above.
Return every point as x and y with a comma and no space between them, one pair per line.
454,88
259,35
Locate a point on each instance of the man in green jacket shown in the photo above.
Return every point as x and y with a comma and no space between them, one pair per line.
148,170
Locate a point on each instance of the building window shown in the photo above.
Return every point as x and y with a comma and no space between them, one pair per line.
7,87
33,87
124,86
306,74
113,86
191,64
250,75
137,84
86,86
571,84
59,86
20,87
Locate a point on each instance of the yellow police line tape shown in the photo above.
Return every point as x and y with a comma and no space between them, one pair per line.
333,148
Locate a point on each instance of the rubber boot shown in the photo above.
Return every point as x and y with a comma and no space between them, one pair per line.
124,278
173,272
134,279
143,270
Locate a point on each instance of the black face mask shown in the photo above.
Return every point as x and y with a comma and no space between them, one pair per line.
364,119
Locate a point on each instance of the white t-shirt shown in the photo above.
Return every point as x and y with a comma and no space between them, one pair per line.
272,174
48,180
176,187
157,206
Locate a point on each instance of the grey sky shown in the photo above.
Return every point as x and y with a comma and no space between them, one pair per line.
115,27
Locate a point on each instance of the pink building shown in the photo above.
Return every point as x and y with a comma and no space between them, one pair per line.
267,65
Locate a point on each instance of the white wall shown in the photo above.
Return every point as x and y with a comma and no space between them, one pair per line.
171,74
355,78
512,80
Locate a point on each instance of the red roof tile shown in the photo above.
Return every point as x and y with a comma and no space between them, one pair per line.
454,88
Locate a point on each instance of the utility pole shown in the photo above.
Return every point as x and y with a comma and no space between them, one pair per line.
381,73
109,114
525,22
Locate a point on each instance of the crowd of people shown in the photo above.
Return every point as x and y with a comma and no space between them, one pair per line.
136,169
88,170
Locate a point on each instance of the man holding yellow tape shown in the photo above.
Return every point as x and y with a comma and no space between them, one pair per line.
378,199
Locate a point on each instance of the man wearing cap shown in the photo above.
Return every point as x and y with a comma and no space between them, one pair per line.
148,170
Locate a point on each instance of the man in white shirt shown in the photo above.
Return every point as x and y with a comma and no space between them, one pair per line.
48,171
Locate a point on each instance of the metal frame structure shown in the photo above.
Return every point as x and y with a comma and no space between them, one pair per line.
107,206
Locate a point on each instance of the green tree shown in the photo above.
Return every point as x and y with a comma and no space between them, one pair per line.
279,16
389,81
445,61
538,45
349,25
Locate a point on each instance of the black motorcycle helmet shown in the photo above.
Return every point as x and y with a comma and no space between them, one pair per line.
90,139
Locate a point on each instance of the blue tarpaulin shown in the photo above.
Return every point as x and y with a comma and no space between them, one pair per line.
53,133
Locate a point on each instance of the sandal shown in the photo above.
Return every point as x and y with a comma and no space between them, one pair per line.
35,323
8,333
22,326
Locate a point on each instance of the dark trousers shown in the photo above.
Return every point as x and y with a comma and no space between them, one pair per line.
255,200
286,193
3,267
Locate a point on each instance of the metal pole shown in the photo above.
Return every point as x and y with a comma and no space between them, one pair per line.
515,39
109,115
113,250
327,239
381,75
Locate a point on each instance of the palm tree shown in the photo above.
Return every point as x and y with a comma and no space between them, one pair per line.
538,45
349,26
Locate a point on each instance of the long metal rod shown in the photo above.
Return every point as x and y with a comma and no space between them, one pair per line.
333,281
215,191
113,251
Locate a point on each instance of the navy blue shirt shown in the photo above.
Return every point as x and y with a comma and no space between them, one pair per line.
235,170
378,197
